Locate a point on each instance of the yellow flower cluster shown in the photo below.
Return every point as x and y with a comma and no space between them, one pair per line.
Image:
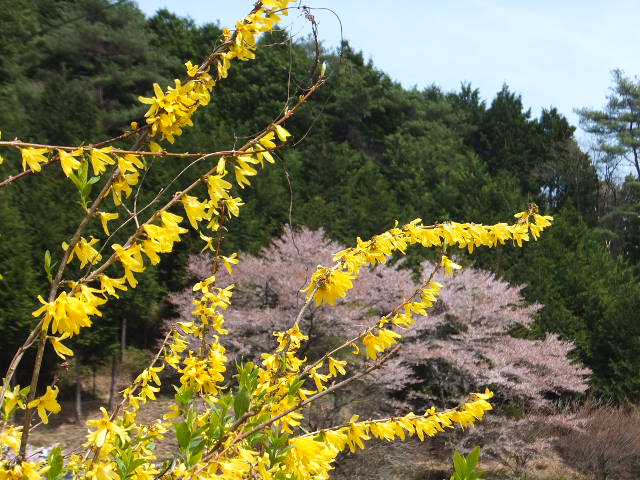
72,310
141,390
159,239
218,189
313,454
463,235
202,371
171,111
68,313
99,158
10,437
243,41
115,442
204,374
22,470
378,338
211,300
281,371
329,284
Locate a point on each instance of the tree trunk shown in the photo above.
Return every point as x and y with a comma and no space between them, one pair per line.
123,339
115,368
78,391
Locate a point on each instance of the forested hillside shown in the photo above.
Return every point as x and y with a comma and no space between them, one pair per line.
366,152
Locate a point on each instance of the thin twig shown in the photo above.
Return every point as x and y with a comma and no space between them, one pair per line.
56,157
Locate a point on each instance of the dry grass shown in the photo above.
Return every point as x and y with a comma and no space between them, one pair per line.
64,430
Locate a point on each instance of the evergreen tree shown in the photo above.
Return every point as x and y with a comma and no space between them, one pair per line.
18,278
590,297
617,126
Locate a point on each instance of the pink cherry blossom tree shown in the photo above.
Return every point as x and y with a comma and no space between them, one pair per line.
466,343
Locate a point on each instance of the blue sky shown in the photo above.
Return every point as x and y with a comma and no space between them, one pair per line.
554,53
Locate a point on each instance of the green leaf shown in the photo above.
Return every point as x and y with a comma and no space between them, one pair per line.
465,468
122,468
135,464
86,190
196,446
255,438
460,464
83,171
183,434
294,386
241,402
56,462
47,265
472,459
280,455
76,181
184,397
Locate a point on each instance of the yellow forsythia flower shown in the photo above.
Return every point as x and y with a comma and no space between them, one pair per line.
99,159
229,261
102,471
104,426
282,133
68,162
449,265
33,157
13,399
329,285
60,349
85,251
109,285
105,218
46,403
196,210
10,437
